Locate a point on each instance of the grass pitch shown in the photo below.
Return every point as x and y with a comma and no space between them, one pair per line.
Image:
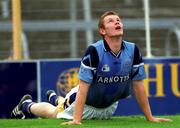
115,122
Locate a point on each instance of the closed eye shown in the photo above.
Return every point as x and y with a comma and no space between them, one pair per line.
110,20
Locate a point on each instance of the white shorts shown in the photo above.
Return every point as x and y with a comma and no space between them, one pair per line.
89,112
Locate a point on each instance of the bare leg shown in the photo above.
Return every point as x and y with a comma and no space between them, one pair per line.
44,110
61,100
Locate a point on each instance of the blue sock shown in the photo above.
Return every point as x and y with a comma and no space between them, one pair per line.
26,106
53,99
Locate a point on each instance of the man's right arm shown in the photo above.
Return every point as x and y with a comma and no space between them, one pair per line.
79,103
80,100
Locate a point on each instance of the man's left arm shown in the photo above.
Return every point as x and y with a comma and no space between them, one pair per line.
143,102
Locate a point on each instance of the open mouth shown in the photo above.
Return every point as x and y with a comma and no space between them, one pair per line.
118,28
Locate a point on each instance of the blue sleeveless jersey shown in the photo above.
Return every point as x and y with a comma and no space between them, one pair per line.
109,75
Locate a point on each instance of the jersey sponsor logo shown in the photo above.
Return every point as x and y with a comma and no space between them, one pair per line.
105,68
113,79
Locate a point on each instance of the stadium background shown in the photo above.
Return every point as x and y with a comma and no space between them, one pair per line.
57,29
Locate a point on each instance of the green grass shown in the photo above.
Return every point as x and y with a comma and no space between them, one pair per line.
115,122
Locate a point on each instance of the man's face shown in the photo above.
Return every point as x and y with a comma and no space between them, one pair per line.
113,26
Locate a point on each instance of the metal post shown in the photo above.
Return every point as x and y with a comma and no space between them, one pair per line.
87,16
167,45
25,46
5,8
177,31
147,28
73,36
38,81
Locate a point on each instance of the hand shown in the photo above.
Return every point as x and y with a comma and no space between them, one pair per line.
71,123
154,119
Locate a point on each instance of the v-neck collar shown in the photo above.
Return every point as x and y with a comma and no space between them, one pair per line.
107,48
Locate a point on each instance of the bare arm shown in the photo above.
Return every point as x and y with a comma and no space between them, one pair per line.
142,98
79,103
80,100
143,102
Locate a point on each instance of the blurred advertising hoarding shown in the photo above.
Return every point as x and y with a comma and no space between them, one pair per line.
18,78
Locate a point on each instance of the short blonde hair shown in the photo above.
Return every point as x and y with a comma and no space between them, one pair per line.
101,19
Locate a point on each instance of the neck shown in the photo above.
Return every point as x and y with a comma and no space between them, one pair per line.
114,44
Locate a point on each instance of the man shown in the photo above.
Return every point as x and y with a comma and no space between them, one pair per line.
109,68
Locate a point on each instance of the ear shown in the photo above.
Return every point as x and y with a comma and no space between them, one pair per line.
102,31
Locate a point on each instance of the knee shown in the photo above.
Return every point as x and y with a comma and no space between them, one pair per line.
52,113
